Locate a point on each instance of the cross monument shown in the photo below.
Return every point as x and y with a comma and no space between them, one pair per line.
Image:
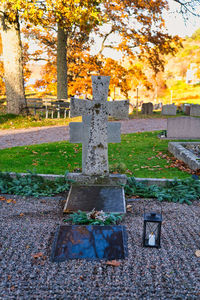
95,132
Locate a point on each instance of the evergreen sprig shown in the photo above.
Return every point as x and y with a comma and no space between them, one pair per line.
94,218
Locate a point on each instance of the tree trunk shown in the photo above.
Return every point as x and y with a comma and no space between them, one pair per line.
13,65
61,64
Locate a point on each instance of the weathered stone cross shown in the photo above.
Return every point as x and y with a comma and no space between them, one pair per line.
95,132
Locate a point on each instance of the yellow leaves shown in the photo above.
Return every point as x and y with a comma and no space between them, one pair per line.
7,200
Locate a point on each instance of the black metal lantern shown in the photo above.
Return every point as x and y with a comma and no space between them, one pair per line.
152,229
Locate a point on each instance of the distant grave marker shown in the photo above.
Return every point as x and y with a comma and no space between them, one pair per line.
183,128
147,108
169,109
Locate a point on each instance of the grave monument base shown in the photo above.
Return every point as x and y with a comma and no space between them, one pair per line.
111,179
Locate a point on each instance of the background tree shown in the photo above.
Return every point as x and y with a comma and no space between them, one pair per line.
12,58
2,84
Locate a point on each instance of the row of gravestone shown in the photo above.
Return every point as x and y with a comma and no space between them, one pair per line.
170,109
189,109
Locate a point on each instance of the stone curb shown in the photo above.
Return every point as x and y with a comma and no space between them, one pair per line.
147,181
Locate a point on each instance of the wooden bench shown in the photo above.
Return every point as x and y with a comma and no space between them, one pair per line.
49,106
35,104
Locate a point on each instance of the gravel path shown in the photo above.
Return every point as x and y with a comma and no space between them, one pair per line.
28,226
26,272
21,137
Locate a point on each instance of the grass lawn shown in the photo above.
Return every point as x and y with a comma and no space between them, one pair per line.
138,154
10,121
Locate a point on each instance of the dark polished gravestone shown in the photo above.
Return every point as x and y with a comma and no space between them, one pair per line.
89,242
87,198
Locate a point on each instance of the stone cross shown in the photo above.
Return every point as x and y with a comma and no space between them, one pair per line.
95,132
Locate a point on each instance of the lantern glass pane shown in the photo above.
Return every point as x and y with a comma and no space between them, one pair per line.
152,234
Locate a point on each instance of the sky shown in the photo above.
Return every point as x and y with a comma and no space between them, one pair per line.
176,24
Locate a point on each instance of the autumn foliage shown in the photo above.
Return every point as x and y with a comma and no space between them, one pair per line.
138,26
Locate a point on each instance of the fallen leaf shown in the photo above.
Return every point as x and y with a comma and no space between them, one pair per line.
2,198
34,152
37,255
129,208
21,215
197,253
9,277
9,200
113,263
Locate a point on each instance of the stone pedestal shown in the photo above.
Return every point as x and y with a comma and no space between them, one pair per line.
111,179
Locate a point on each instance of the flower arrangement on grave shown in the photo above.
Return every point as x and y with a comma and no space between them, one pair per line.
94,218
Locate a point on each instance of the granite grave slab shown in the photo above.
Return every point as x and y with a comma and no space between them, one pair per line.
89,242
106,198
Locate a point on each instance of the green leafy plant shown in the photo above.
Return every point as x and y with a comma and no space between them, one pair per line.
32,185
178,191
94,218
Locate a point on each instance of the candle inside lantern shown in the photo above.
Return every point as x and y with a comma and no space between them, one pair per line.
152,239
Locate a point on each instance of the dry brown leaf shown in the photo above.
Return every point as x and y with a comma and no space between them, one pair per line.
2,198
197,253
9,200
129,208
21,215
67,211
113,263
34,152
37,255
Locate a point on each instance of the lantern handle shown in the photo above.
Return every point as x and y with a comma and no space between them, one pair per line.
159,204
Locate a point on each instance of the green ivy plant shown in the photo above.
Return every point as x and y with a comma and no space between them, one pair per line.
94,218
32,185
178,191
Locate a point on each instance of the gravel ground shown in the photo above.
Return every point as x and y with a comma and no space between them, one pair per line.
21,137
26,272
